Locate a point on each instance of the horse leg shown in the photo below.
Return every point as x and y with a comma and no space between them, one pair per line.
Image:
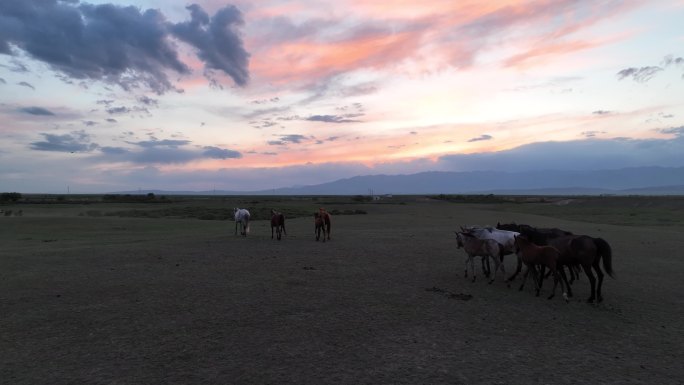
497,264
527,272
271,231
541,278
285,232
556,279
517,269
565,281
485,269
472,266
236,224
592,282
599,273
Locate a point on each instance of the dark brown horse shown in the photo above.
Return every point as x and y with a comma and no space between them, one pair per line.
544,256
587,252
277,223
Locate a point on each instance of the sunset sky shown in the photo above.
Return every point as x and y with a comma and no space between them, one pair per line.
101,96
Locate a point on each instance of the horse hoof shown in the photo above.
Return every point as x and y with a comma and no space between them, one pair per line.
549,297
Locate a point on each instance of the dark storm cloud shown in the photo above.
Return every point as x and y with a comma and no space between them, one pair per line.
217,40
481,138
89,123
220,153
111,120
602,112
120,44
37,111
640,75
2,81
76,141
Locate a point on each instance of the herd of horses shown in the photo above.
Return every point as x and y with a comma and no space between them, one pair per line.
538,249
322,223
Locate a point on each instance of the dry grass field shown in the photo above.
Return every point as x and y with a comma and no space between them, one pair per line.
126,293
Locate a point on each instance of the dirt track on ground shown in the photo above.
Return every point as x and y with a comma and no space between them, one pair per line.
145,301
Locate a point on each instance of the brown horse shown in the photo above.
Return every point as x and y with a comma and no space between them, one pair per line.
533,255
277,223
325,223
319,226
587,252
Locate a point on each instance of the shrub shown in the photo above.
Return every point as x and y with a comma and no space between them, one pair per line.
10,196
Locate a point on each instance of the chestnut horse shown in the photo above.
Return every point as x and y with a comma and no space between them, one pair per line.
545,256
322,223
277,223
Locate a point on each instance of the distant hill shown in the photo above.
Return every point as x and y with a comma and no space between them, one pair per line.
636,181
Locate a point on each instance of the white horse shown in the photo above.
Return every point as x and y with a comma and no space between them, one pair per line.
242,217
504,237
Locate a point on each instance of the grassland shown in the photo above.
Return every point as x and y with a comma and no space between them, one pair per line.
161,291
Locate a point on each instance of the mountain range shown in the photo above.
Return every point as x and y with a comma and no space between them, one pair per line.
625,181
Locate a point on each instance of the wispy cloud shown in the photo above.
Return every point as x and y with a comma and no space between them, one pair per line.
37,111
641,75
481,138
27,85
333,118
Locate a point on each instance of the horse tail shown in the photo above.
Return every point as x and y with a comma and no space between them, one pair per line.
246,223
607,254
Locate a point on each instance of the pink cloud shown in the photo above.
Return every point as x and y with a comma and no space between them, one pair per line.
439,31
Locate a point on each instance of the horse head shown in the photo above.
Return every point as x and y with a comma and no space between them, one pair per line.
459,239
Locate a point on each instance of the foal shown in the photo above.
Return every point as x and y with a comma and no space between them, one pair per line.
277,223
476,247
546,256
